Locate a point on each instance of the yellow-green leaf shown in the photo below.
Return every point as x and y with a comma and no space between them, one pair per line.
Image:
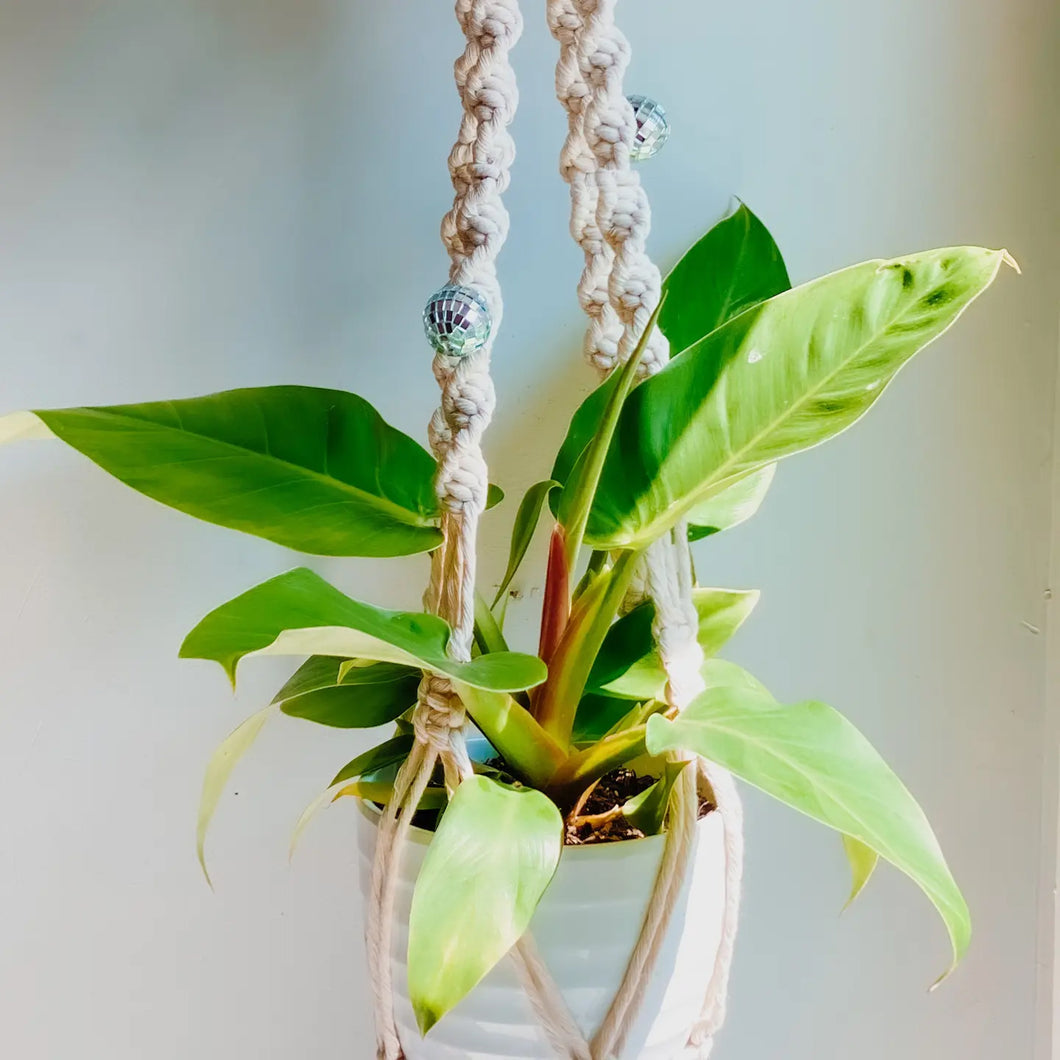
492,858
814,760
219,769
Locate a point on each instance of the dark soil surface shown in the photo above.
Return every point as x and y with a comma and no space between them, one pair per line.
613,791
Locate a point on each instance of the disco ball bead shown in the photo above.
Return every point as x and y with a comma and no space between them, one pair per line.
653,128
457,321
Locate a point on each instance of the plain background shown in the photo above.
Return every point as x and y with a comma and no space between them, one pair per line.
201,194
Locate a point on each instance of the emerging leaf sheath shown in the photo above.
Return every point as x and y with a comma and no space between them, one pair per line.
556,701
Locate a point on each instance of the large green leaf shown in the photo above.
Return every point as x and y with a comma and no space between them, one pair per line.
732,506
734,266
629,665
363,697
814,760
488,865
319,471
298,613
218,770
777,379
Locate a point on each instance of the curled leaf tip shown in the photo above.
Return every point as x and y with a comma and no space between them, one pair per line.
1009,260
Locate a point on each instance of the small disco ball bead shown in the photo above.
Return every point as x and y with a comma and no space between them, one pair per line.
457,321
653,128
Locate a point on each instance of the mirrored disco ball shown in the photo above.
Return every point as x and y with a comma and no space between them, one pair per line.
457,321
653,128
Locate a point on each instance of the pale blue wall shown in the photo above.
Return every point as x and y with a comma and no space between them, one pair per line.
196,195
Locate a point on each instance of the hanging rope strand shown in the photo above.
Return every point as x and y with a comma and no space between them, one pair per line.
473,233
594,56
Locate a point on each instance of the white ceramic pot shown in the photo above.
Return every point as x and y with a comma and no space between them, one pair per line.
585,929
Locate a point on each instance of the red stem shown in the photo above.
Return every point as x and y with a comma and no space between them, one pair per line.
556,609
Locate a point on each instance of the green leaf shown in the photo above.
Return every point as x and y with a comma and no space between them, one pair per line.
863,861
628,664
375,759
776,380
599,716
583,427
319,471
374,789
595,761
814,760
514,733
218,770
360,699
298,613
731,506
647,811
579,490
734,266
526,520
492,858
494,496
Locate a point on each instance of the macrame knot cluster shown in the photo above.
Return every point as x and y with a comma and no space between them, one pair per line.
439,714
492,95
490,23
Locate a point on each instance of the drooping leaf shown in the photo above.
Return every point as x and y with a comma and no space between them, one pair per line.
361,698
732,506
218,770
736,265
374,759
814,760
298,613
647,811
776,380
526,520
863,861
492,858
316,470
377,789
629,665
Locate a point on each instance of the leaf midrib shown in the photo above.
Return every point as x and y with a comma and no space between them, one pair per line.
402,515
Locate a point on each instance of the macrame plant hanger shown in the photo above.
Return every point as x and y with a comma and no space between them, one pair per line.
619,291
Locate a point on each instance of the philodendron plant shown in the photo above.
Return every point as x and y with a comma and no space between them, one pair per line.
760,371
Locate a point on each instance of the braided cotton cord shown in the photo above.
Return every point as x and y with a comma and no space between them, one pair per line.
610,220
473,232
610,216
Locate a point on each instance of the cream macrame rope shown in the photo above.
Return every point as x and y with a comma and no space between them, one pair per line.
619,290
473,232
